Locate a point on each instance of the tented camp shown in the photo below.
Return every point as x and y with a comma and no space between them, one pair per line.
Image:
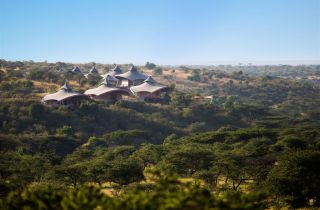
64,96
107,92
115,86
130,78
149,89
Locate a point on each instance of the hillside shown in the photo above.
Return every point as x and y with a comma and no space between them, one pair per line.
255,141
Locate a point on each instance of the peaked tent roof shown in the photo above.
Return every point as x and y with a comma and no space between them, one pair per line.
133,68
115,71
76,70
65,92
150,80
105,87
93,70
132,74
66,87
149,85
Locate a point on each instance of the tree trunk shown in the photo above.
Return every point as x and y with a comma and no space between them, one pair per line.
236,186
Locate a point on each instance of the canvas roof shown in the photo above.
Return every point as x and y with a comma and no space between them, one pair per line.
115,71
150,80
106,80
76,70
149,85
93,70
65,92
105,87
132,75
66,87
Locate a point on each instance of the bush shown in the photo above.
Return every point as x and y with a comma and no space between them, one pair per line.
150,65
66,130
131,137
157,71
166,193
195,76
36,111
43,75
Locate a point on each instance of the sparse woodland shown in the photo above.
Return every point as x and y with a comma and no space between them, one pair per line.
255,144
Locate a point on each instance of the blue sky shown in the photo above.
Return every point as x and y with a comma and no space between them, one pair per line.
160,31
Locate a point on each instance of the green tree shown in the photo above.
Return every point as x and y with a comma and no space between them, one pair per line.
296,178
188,159
73,174
124,171
149,154
195,76
157,71
66,130
150,65
209,176
180,99
165,192
37,111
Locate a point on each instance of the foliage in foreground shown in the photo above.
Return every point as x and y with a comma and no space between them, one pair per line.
166,192
296,178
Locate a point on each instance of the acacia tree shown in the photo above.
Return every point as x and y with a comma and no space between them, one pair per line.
150,65
296,178
97,171
188,159
73,174
124,171
232,167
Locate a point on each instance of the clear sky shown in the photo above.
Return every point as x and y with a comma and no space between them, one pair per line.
160,31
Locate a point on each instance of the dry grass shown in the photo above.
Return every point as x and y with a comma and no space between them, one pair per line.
110,191
44,85
179,78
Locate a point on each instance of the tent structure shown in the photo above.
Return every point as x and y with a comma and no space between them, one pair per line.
76,70
130,78
106,92
148,89
93,70
64,96
115,71
92,73
111,75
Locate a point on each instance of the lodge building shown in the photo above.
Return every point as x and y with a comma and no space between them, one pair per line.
93,72
115,86
130,78
149,89
64,96
112,75
107,92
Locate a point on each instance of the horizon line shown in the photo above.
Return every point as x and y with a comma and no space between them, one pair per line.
195,63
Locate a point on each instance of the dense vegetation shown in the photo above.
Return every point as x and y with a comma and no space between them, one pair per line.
254,145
